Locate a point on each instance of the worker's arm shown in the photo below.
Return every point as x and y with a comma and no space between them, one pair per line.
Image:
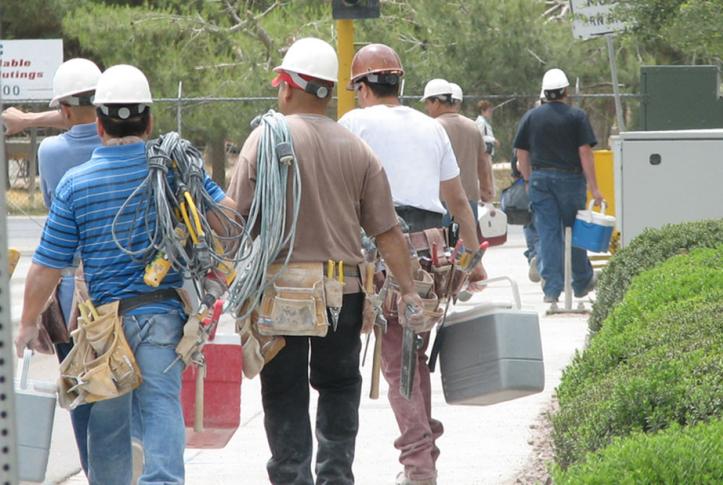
486,178
523,163
16,120
588,168
393,247
458,205
215,222
40,284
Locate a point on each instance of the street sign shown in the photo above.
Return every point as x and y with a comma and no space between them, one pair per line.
354,9
27,68
594,18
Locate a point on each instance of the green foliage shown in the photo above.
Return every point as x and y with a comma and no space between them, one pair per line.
677,455
689,29
645,251
658,361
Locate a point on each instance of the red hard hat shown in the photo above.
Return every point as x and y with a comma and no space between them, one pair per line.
375,59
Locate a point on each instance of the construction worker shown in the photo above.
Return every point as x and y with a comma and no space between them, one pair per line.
554,151
87,200
484,124
73,89
343,188
467,143
420,163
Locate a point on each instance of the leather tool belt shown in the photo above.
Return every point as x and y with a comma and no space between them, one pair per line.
101,364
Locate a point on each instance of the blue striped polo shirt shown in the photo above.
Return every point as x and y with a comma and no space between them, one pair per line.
86,201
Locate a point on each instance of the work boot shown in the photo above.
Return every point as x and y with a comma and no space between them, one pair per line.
590,286
403,480
532,273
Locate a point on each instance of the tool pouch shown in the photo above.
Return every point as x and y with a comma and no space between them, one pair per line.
258,350
101,364
425,289
295,304
371,299
443,285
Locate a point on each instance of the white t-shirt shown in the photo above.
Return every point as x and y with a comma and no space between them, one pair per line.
413,148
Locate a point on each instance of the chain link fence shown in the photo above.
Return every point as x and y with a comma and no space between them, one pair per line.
219,126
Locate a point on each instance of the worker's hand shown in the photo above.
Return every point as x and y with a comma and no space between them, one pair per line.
413,318
14,121
477,274
27,337
597,196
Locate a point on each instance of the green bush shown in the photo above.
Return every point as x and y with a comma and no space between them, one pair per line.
632,327
645,251
657,360
690,455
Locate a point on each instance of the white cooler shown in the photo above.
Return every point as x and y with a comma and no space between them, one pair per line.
34,414
491,353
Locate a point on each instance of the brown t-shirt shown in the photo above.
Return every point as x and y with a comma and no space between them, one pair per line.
469,149
343,187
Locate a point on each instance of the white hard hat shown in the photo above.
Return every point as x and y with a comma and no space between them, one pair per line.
311,57
122,84
74,77
554,79
457,94
436,87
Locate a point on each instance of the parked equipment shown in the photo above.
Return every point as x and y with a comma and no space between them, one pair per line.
491,353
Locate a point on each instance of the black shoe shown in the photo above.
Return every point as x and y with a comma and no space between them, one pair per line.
590,286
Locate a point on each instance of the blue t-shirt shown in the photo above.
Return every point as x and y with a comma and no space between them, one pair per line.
58,154
86,201
553,133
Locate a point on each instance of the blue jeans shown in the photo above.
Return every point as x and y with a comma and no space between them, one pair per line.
153,339
532,240
555,198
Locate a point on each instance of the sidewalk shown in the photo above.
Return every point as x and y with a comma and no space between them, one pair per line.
481,445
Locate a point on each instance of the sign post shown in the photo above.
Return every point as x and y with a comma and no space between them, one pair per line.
28,67
595,18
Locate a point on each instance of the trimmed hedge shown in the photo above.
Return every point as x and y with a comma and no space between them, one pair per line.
645,251
657,360
674,456
633,326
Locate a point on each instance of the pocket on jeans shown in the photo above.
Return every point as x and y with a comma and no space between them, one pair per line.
164,330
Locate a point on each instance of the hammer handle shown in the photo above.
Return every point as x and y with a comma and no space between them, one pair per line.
376,362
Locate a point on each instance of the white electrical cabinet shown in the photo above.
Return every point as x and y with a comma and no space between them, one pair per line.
667,177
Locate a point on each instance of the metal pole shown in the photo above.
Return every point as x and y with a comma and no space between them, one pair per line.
345,50
178,108
568,268
8,433
616,87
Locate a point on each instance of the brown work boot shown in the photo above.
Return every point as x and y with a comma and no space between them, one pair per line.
402,479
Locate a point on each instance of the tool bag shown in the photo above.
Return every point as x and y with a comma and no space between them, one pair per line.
424,284
516,203
295,304
101,364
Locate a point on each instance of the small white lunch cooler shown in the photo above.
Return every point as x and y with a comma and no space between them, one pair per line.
34,414
592,230
492,223
491,353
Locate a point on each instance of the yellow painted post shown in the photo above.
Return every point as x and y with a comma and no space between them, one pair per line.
605,175
345,51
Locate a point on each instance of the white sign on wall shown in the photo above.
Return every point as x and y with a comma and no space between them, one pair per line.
27,68
593,18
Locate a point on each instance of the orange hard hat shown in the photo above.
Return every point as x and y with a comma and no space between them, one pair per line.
375,59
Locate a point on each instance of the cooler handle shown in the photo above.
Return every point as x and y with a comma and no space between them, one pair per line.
591,205
513,286
24,368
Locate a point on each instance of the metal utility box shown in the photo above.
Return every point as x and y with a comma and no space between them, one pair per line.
680,98
667,177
